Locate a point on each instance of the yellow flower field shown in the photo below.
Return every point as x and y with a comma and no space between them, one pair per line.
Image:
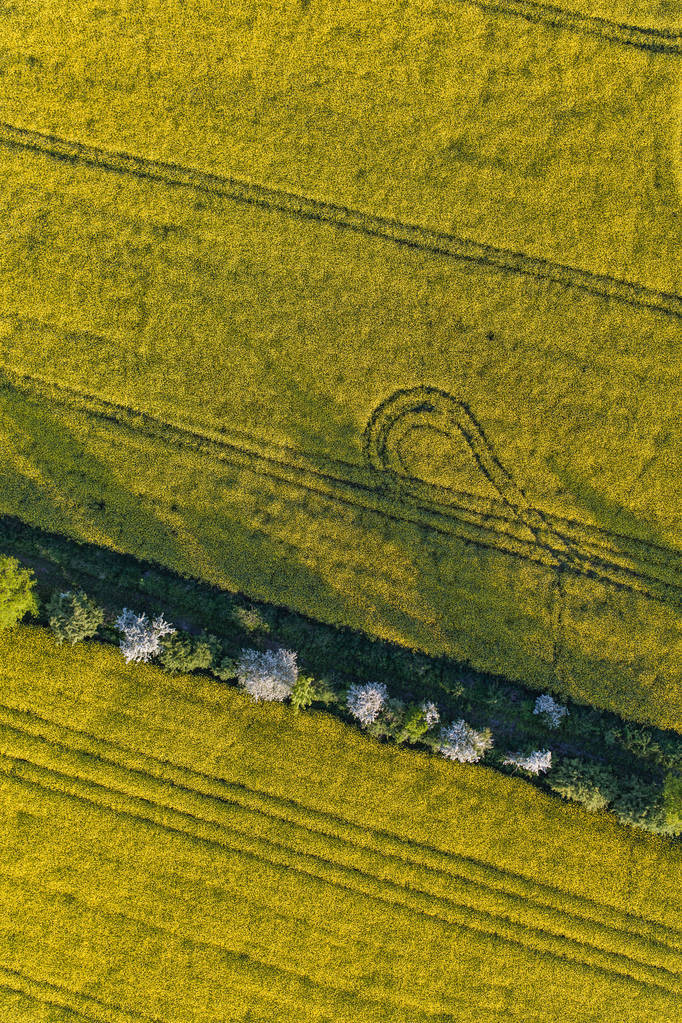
173,852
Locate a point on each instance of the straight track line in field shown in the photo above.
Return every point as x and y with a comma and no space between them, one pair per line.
61,997
654,40
281,809
304,207
433,496
20,766
353,878
410,1012
496,532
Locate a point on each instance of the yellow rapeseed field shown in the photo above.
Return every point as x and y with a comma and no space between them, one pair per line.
369,311
173,852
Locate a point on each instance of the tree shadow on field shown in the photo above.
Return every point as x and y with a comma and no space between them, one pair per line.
59,482
610,514
243,530
64,476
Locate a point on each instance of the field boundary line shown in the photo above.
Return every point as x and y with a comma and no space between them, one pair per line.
304,207
12,980
655,40
407,897
471,527
302,809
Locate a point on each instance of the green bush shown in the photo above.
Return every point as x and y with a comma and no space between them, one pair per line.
303,693
640,803
415,726
593,785
226,669
390,720
17,597
181,652
73,616
672,802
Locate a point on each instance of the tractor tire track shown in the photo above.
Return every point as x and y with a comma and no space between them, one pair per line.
303,207
61,997
481,874
34,776
299,473
654,40
344,874
309,987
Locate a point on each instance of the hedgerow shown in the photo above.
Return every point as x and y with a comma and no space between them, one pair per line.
592,753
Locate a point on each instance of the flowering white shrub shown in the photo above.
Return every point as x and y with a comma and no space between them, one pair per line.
537,761
554,712
141,638
366,701
267,676
459,741
431,715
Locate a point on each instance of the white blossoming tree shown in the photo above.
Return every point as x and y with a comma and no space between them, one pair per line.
366,701
459,741
431,715
269,676
141,638
552,712
537,762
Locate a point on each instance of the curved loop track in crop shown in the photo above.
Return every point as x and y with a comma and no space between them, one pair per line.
627,564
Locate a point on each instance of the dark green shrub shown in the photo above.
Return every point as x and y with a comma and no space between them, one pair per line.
182,652
226,669
390,720
73,616
672,802
17,597
593,785
251,619
640,803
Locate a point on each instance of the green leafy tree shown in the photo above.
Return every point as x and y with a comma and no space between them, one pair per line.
304,692
17,596
73,616
181,652
593,785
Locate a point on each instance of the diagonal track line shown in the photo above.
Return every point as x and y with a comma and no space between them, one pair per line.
61,997
289,467
355,878
20,770
304,207
286,810
241,957
654,40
